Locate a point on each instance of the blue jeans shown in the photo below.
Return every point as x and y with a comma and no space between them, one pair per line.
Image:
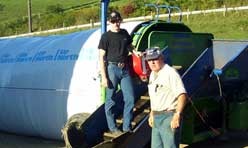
162,134
120,76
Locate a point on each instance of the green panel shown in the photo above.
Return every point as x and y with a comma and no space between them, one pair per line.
184,47
194,130
140,37
103,94
238,112
188,126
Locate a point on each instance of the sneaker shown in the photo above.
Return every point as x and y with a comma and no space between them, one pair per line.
116,133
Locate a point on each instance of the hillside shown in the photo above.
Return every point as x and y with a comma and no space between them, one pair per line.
234,25
50,14
14,9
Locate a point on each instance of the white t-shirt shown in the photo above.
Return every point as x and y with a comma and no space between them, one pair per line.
164,88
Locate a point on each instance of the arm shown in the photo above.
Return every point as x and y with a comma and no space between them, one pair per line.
104,80
134,50
150,120
182,100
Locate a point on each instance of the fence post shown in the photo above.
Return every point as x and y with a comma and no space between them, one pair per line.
152,15
30,29
225,10
188,14
92,23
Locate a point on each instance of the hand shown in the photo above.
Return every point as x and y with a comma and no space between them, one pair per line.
175,122
104,82
150,121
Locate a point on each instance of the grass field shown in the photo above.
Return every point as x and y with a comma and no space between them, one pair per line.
234,25
18,8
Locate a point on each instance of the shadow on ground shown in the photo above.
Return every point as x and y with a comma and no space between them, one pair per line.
8,140
234,139
230,140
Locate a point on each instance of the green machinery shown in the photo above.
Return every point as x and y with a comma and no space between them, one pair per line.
214,75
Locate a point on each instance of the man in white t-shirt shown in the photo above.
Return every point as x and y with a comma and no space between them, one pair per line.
168,98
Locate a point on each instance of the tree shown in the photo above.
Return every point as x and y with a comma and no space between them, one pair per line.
128,9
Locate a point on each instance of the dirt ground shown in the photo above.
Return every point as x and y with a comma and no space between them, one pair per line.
231,140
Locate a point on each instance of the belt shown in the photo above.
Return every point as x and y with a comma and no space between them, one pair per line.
163,112
119,64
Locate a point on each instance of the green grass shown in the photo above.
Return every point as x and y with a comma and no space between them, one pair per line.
18,8
234,25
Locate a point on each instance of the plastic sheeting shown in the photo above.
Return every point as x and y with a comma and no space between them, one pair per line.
46,80
225,51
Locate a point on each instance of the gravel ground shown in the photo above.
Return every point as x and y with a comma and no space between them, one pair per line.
231,140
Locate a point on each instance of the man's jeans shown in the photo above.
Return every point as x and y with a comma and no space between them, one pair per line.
120,76
162,134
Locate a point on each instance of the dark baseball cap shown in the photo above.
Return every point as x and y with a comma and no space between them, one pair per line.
115,16
152,53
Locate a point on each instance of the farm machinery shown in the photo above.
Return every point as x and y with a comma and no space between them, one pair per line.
213,72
